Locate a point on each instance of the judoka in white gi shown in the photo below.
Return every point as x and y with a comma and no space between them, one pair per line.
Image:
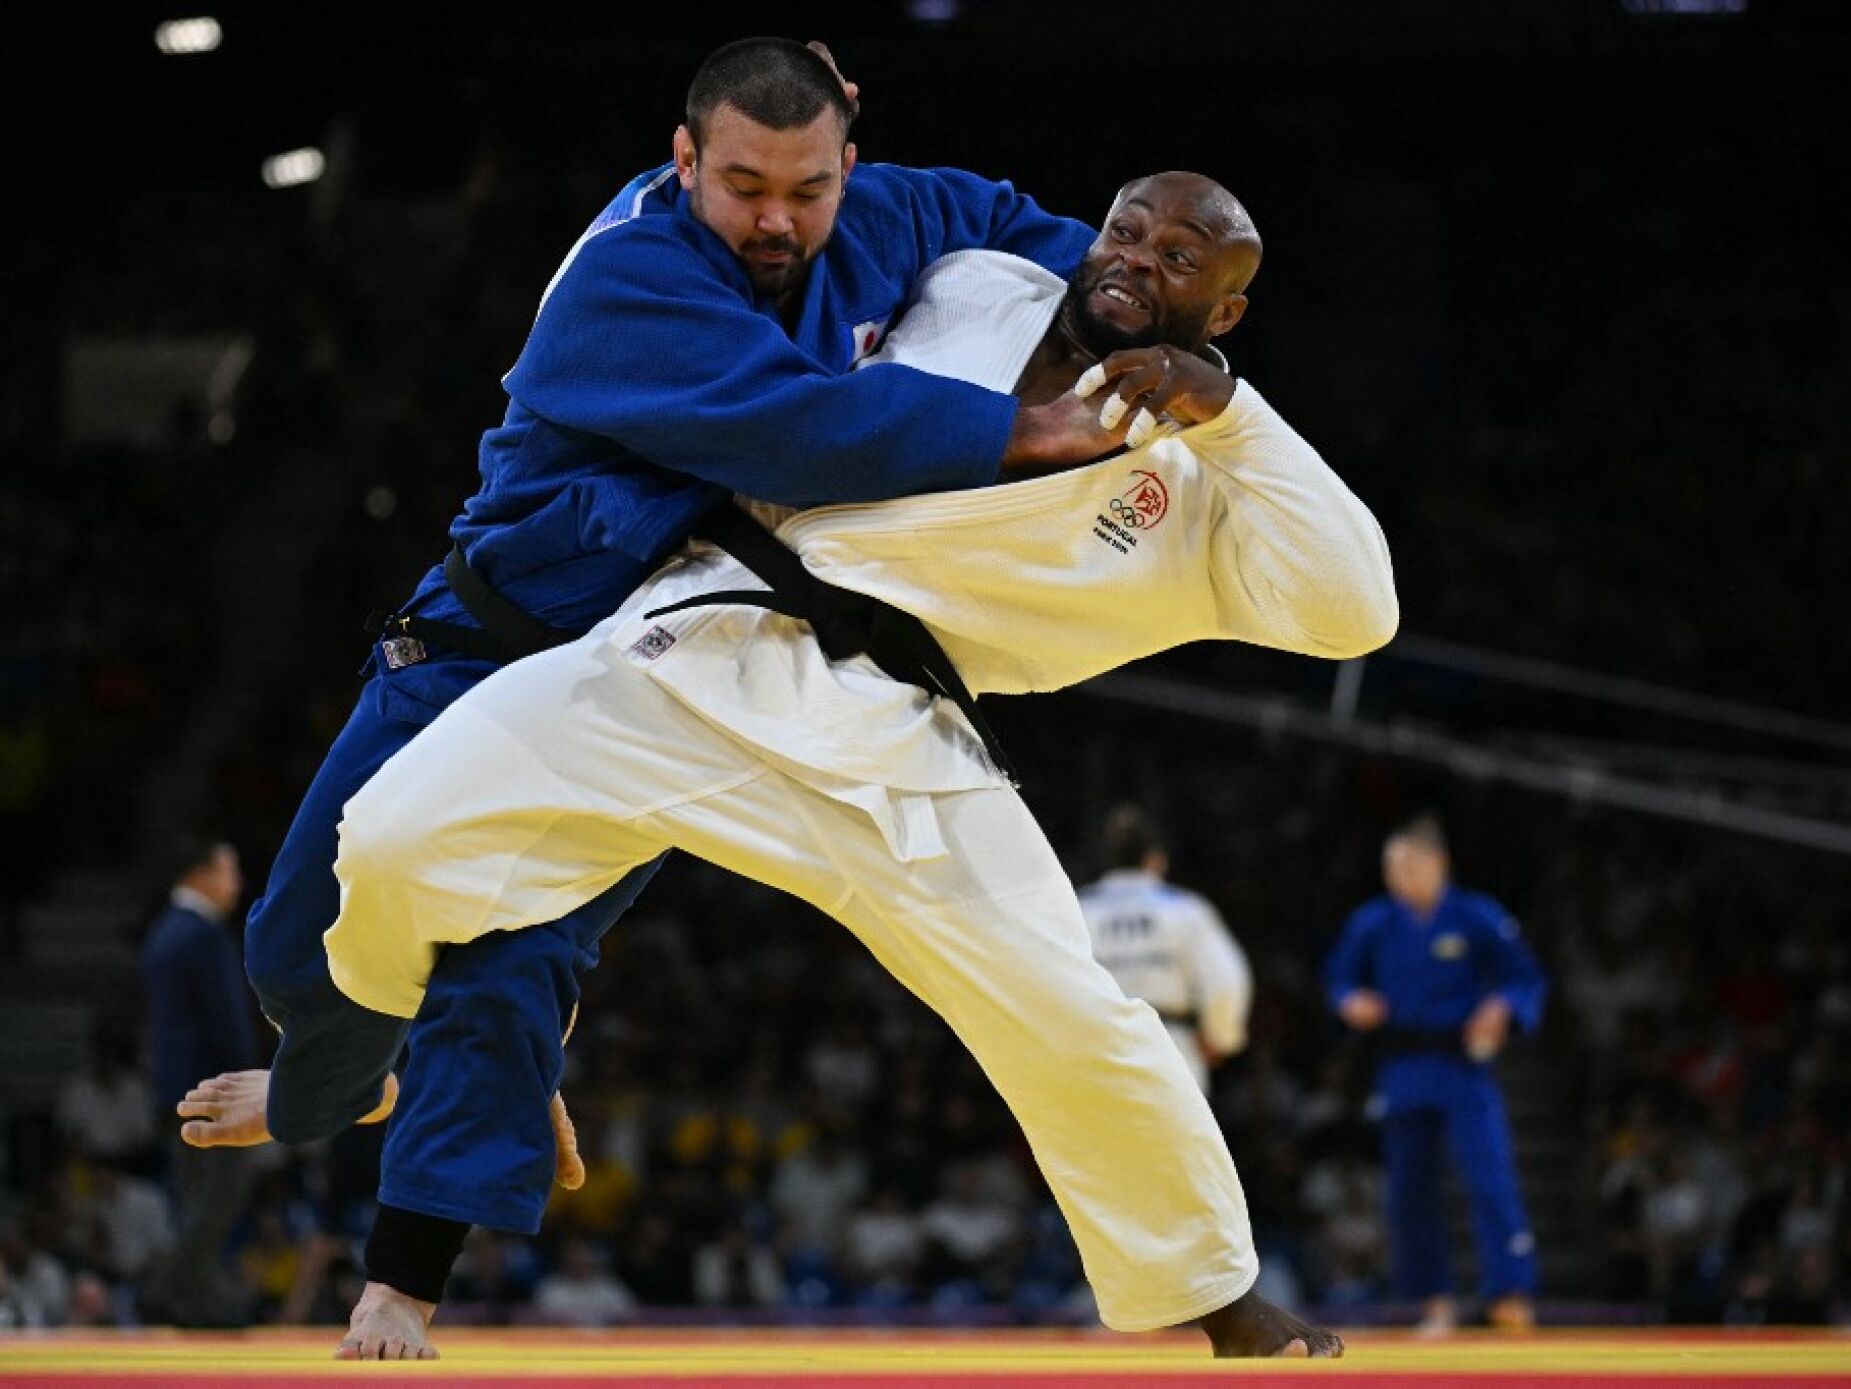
1167,945
727,732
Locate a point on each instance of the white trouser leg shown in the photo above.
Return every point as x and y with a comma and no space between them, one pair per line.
990,936
474,828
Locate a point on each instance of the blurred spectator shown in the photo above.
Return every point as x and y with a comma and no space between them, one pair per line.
735,1270
581,1291
815,1187
972,1241
107,1109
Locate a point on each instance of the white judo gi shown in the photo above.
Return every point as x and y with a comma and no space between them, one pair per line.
1170,947
726,732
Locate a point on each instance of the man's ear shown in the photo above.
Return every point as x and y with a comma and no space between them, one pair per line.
684,156
1227,313
848,160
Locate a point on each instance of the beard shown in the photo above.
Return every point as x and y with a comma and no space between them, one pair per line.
1103,338
774,281
769,281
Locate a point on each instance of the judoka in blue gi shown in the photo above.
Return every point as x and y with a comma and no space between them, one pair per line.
1439,974
696,341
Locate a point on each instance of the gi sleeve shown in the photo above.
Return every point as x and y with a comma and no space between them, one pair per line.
1350,966
1223,984
643,341
958,211
1299,563
1509,968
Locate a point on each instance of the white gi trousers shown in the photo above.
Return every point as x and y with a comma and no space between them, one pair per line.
564,771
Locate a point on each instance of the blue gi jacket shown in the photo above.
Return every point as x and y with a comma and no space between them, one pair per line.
1435,973
655,382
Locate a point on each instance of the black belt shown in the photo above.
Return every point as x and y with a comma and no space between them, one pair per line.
505,634
1411,1041
846,623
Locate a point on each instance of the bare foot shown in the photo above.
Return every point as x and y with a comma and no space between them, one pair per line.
227,1111
388,1325
1251,1325
1439,1317
568,1166
1512,1312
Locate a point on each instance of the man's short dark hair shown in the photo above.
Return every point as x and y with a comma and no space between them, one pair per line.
191,849
1425,829
778,83
1131,836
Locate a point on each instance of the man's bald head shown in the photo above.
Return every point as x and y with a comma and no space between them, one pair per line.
1171,265
1218,212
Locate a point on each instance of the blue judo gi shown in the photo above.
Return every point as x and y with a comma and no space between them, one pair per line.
655,382
1434,973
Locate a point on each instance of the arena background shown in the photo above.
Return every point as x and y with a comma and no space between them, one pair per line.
1559,286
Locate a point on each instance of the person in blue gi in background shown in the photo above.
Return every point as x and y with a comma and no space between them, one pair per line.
1439,974
696,342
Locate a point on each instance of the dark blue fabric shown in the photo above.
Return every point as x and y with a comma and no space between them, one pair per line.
493,1019
198,1014
1435,972
1445,1098
654,382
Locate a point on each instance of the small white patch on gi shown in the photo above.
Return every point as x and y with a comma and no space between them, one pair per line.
1522,1243
1449,947
867,338
653,643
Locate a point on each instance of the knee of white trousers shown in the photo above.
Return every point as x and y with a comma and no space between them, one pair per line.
376,955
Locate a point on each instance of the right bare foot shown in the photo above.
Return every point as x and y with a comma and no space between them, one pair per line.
388,1325
1250,1326
227,1111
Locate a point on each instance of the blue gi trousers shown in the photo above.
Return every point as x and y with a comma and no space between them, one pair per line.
1430,1097
470,1138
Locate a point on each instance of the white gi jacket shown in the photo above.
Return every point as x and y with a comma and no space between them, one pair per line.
1231,529
1170,947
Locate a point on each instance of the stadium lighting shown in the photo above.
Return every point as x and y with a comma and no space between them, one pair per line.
1685,7
288,169
180,36
932,13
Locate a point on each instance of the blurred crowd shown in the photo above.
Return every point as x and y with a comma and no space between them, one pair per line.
1635,432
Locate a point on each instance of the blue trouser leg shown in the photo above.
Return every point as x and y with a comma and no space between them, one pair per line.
1417,1233
334,1054
1479,1134
471,1138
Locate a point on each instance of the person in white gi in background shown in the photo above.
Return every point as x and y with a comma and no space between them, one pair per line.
726,731
1168,946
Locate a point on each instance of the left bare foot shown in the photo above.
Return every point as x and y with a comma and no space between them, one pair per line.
388,1325
227,1111
1252,1326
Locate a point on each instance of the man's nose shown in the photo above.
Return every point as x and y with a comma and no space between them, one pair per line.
1139,257
775,220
